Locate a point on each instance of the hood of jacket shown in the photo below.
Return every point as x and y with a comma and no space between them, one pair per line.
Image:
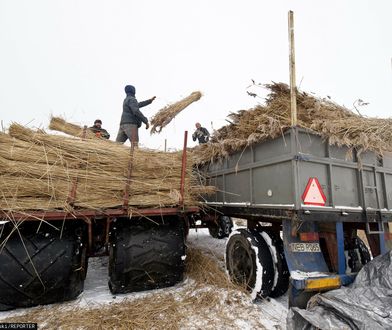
130,90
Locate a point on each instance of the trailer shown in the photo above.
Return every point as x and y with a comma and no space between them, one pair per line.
44,254
304,202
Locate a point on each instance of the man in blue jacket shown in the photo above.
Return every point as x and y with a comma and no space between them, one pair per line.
132,118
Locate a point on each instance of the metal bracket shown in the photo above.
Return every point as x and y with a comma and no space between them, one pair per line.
296,224
372,232
301,157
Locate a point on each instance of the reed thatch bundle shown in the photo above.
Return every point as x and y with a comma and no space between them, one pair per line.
165,115
332,121
39,170
59,124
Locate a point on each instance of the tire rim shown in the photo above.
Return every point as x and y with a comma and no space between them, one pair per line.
241,264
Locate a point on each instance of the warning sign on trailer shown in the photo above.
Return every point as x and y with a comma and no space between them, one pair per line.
313,194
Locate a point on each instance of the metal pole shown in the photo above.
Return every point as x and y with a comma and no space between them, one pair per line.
183,169
293,95
72,194
129,175
165,145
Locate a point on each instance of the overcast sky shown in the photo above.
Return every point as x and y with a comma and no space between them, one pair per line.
72,58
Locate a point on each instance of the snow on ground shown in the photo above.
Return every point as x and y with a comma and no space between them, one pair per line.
273,312
268,313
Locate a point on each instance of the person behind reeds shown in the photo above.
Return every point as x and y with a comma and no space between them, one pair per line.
201,134
132,118
98,130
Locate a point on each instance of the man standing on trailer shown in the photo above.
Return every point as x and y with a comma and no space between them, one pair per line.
201,134
132,118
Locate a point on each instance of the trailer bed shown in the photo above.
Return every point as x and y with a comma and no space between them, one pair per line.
270,179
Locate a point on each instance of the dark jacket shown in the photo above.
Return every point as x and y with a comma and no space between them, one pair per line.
202,135
100,132
131,113
144,103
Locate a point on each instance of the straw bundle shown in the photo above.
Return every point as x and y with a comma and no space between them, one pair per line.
59,124
333,122
165,115
39,170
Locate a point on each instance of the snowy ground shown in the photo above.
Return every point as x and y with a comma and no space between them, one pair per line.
269,313
273,312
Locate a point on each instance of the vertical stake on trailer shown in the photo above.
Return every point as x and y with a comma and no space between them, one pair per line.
183,169
129,173
72,193
293,95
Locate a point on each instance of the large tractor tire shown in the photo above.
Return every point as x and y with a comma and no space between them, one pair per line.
222,228
146,256
41,265
249,262
282,274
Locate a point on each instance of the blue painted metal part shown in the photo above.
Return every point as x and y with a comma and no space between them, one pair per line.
383,248
302,261
347,279
298,284
340,241
313,261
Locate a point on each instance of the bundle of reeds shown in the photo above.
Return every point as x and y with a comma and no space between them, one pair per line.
333,122
38,171
59,124
165,115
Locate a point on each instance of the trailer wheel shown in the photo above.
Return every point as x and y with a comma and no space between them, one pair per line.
282,274
249,262
222,228
38,267
145,256
357,255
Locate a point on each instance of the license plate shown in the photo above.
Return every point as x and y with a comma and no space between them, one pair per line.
305,247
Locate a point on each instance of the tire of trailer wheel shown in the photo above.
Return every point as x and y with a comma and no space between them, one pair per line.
222,228
282,274
146,256
357,255
249,262
41,265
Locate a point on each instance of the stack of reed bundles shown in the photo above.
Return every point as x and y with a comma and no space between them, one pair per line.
335,123
38,172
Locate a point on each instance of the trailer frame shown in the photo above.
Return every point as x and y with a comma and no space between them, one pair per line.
265,182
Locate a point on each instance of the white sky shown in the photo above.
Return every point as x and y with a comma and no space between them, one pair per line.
73,58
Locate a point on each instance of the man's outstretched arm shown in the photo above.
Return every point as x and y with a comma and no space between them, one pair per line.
146,102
